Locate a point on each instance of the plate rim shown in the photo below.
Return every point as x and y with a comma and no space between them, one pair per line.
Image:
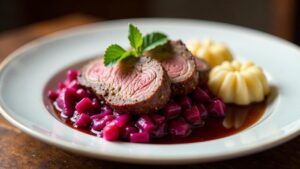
64,144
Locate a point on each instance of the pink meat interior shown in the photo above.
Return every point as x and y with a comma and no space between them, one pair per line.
177,68
128,85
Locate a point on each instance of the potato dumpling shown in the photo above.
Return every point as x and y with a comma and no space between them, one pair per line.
214,53
238,83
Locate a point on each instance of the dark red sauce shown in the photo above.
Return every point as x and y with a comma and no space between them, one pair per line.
237,118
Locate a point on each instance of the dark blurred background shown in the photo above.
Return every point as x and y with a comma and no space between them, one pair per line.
279,17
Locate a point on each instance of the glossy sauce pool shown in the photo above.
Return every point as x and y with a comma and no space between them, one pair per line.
237,118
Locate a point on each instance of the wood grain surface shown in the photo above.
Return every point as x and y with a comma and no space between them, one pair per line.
18,150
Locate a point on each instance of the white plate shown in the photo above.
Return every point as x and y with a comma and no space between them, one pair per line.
25,73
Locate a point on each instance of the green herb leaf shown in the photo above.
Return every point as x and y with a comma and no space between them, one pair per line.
112,54
127,54
135,38
152,40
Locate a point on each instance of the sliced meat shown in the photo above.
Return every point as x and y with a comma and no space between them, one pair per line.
203,70
136,85
179,63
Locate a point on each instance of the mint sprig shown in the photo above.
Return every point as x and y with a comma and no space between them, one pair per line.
152,40
112,54
135,37
115,53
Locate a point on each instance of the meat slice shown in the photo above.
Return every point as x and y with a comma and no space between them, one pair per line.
179,64
203,70
136,85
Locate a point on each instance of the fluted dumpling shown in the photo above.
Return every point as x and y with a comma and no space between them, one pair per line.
214,53
238,83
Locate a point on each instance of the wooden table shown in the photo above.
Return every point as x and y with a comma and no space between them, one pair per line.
18,150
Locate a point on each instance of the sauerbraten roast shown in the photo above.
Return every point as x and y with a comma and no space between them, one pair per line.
135,85
179,63
203,69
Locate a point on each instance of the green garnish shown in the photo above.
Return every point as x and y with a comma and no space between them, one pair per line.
115,53
112,54
135,37
152,40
